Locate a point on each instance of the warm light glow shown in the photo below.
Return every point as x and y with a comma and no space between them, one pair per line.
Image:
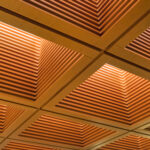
113,94
29,64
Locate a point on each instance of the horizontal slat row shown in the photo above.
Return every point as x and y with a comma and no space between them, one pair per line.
94,16
131,142
113,94
109,12
19,56
24,146
29,64
78,12
141,45
63,131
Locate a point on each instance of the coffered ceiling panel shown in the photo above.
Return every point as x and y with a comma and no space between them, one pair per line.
32,66
110,95
14,145
130,141
134,46
98,22
75,74
50,128
11,116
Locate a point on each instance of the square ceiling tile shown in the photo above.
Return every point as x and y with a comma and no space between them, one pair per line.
116,93
17,144
97,23
34,69
134,45
54,129
12,116
130,141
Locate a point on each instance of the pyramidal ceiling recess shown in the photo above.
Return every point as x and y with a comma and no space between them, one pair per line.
132,142
95,16
141,45
53,129
29,64
111,94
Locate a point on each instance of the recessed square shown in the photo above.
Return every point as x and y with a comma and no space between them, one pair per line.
141,45
95,16
30,65
132,142
64,131
111,94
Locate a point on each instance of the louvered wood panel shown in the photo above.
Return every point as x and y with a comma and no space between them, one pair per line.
141,45
111,93
96,17
13,145
20,53
131,142
31,64
63,131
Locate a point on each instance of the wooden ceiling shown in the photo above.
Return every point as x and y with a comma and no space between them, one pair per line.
75,75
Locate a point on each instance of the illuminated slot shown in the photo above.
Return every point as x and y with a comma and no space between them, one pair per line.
141,45
112,94
30,64
95,16
52,129
131,142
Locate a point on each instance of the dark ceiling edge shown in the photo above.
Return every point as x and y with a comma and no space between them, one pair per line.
129,62
48,28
